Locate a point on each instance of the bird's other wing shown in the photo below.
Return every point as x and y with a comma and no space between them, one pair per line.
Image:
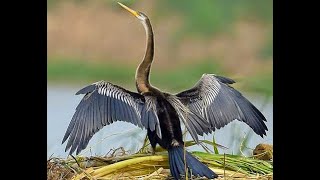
194,122
103,104
216,101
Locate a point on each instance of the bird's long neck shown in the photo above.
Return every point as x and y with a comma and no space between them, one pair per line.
143,70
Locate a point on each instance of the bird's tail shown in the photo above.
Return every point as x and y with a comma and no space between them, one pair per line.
195,167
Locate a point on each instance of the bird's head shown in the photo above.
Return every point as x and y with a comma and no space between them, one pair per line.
141,16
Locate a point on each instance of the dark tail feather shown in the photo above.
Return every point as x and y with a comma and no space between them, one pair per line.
176,162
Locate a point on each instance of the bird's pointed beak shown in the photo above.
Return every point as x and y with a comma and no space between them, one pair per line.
135,13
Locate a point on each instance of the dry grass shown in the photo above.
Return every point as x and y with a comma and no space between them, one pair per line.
146,166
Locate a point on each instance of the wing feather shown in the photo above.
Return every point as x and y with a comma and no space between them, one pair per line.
218,104
104,103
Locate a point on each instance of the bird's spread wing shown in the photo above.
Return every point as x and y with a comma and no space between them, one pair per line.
217,102
194,122
103,104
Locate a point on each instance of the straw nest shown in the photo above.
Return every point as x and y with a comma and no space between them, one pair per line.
142,165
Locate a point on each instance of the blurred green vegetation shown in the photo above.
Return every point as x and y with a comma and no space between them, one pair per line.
173,80
267,51
206,16
262,83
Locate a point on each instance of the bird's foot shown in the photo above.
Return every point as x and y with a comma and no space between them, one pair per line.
175,143
153,151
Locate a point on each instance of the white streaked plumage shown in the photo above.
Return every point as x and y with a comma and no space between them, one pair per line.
150,103
189,118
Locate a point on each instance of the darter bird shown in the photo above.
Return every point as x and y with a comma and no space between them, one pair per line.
210,104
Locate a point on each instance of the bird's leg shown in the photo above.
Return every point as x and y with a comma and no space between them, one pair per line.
153,150
152,136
